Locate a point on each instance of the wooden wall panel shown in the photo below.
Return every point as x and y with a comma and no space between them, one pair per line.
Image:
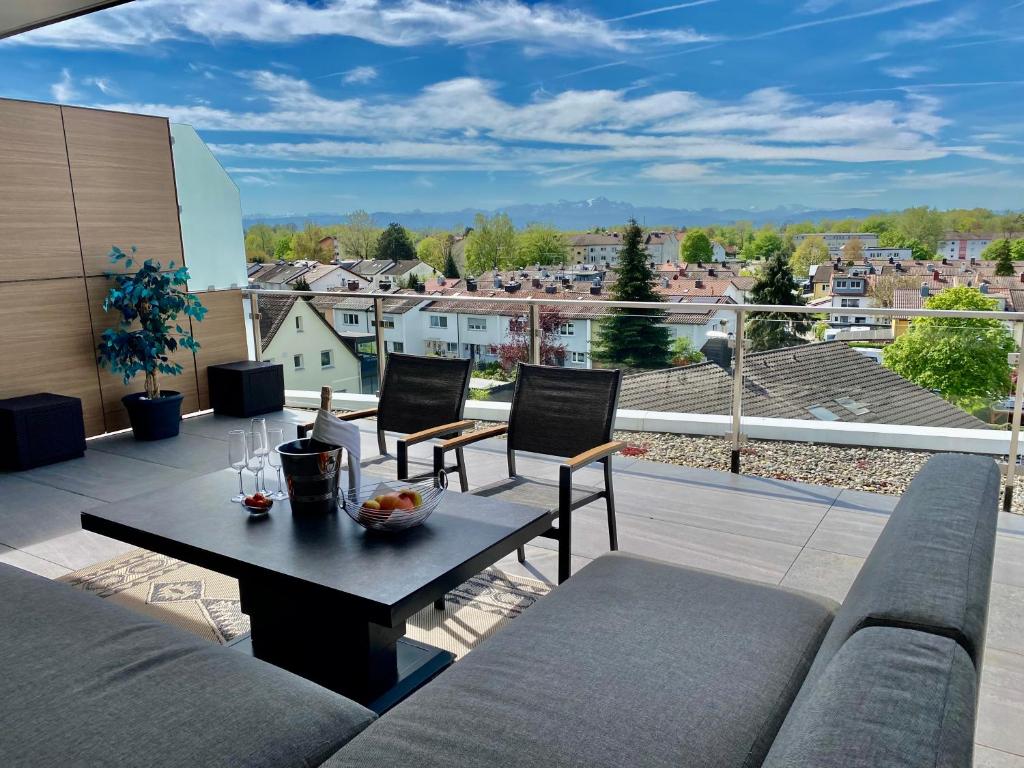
123,178
112,388
221,336
46,344
38,234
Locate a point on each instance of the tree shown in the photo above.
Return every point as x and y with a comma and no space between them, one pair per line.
684,353
853,250
776,286
923,224
517,349
301,285
359,236
879,224
430,251
259,243
965,360
766,244
898,240
306,244
813,250
283,248
882,289
451,269
491,244
1017,249
394,244
696,246
1001,253
540,244
637,338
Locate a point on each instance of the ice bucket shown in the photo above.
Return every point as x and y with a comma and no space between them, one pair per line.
312,472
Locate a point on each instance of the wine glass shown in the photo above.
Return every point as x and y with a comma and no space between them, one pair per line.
259,427
255,453
276,437
237,458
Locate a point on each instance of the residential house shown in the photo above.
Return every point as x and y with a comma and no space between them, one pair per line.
836,241
662,247
283,275
331,246
875,253
849,292
1007,297
601,249
296,335
383,274
963,246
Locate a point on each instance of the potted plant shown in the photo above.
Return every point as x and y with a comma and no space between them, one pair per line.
149,302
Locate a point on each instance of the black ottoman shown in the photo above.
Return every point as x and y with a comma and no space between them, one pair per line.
246,388
40,429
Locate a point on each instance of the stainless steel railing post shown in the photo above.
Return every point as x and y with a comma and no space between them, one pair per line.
535,334
254,318
737,395
1018,395
378,333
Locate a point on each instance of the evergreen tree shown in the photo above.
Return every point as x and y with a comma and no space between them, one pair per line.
771,330
395,244
1002,254
451,269
636,338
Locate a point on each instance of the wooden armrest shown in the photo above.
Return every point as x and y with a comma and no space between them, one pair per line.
587,457
444,429
473,437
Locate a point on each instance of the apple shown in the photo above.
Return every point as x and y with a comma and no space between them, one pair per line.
411,495
390,502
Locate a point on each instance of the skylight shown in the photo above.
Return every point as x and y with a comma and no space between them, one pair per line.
822,413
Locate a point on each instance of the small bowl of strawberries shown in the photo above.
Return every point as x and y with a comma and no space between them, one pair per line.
258,504
394,506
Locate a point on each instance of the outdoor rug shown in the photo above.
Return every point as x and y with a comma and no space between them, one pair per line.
206,603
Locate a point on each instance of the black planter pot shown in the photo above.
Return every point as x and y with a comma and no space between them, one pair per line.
154,419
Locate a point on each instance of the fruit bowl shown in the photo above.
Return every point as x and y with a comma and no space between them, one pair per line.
257,504
394,505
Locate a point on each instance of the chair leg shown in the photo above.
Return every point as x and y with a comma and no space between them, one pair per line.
382,443
613,534
521,554
564,523
460,458
439,604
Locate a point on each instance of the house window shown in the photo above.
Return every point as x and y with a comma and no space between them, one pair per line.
326,358
298,323
840,283
438,321
579,357
849,302
350,318
452,347
567,329
397,346
387,321
477,324
297,362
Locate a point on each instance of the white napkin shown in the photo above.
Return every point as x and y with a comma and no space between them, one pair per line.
329,429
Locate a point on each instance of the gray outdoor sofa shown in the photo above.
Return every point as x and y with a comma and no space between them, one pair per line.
631,662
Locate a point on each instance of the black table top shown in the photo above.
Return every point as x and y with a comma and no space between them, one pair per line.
386,577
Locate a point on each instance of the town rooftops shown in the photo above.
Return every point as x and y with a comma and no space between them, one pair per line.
838,382
595,239
373,267
274,310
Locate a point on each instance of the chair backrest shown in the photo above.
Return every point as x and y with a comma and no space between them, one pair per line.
422,392
562,411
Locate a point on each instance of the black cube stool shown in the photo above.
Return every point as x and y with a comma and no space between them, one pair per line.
246,388
40,429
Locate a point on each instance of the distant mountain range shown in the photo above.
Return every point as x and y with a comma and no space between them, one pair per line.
579,215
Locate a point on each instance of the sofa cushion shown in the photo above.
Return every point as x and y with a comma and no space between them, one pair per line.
931,568
88,683
892,697
631,661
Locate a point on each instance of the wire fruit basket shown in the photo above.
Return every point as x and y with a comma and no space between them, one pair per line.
394,505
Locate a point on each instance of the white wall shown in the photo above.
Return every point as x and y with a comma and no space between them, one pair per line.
315,337
211,214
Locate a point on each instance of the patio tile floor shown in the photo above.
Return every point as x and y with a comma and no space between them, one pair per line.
807,537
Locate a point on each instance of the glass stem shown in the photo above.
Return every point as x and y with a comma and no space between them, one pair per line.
280,488
240,488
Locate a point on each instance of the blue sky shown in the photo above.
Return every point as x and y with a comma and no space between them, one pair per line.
402,104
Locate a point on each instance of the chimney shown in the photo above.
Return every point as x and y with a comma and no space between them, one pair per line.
892,260
421,288
566,282
664,282
717,351
470,284
550,289
925,292
595,289
700,265
1022,277
983,288
711,271
512,287
441,280
698,283
353,285
899,267
536,282
937,276
384,286
973,261
945,260
497,281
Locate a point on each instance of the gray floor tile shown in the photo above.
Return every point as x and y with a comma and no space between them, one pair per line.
1009,564
215,426
823,573
107,476
848,531
541,564
31,512
78,550
195,453
28,562
985,757
863,501
719,551
1001,709
1006,618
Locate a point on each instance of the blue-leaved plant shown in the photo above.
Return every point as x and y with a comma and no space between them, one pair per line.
149,301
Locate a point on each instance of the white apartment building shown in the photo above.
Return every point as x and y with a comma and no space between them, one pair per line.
964,246
881,252
596,249
836,241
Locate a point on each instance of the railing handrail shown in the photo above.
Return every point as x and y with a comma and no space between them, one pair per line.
670,307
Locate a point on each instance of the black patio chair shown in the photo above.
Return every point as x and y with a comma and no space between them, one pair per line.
421,398
566,412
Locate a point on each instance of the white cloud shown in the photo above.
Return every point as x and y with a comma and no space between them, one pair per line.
926,31
361,75
398,23
102,84
64,89
907,72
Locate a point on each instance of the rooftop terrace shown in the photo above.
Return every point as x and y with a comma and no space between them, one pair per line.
809,537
